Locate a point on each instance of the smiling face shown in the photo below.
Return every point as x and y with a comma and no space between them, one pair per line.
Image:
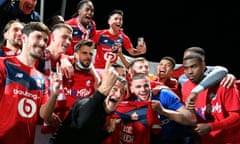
165,69
115,22
13,35
115,96
61,40
27,6
36,43
85,13
140,86
140,66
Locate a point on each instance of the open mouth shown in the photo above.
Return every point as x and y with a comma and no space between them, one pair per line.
88,17
28,8
162,72
112,100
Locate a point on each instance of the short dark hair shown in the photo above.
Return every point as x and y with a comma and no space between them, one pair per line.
7,27
35,26
117,65
122,80
198,50
116,11
171,59
81,43
193,56
54,20
81,3
9,24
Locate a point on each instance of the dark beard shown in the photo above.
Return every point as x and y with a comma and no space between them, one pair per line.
35,56
17,45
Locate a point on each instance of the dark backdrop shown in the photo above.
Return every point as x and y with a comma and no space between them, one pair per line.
171,26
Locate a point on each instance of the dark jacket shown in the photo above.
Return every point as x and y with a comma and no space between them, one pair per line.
84,123
9,10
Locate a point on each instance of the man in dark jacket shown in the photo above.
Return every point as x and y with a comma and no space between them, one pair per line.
23,10
88,115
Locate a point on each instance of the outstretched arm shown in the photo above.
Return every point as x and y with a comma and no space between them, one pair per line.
231,121
123,58
141,48
182,115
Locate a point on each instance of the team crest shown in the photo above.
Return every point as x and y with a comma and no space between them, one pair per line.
134,116
88,82
105,41
19,75
38,82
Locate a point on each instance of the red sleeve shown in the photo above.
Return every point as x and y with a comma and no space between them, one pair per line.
127,44
228,122
178,72
96,36
2,75
232,105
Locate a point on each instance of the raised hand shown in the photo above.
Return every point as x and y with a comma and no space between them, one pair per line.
109,78
141,46
56,80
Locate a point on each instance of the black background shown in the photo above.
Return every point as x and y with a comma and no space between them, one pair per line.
169,27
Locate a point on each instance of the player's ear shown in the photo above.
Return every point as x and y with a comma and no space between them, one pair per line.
24,37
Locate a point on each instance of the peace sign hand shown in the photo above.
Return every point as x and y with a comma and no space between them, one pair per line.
56,79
